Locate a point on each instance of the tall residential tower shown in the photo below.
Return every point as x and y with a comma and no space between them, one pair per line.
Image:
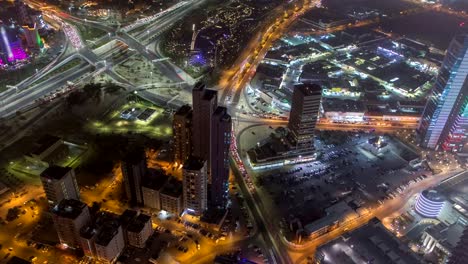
221,126
204,104
195,185
134,168
182,132
59,183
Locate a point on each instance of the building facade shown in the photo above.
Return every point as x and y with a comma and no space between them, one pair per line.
59,183
204,103
171,197
151,191
221,126
103,239
134,169
304,113
195,184
444,124
139,230
69,217
182,131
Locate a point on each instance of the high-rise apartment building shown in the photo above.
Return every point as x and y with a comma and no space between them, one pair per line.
69,217
103,239
151,191
221,126
59,183
305,108
444,124
195,185
139,230
204,103
171,197
134,169
182,132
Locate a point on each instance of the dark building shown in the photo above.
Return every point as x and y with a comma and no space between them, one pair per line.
17,260
221,126
22,12
460,253
139,230
151,190
171,197
103,239
369,242
69,217
182,131
444,123
305,108
134,169
204,103
125,219
195,184
59,183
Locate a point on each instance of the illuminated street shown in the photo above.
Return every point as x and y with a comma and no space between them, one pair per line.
269,132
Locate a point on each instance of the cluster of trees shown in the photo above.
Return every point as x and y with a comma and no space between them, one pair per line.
92,91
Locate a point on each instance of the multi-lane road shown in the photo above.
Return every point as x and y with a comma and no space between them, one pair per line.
24,97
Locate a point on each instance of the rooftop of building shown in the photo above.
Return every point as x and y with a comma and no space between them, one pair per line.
433,195
155,182
69,208
184,110
138,223
44,143
107,233
371,241
88,231
199,86
194,163
127,217
222,113
17,260
108,225
308,89
173,188
210,94
333,213
447,236
55,172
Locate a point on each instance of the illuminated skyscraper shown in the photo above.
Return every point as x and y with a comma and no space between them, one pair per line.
305,108
444,124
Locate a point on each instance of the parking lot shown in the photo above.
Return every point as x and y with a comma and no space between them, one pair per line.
348,171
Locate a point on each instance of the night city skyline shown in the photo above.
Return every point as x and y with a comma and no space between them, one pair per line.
233,131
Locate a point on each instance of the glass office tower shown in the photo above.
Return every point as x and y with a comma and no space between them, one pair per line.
444,124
